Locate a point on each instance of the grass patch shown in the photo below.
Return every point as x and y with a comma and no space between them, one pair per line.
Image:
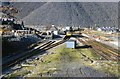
88,52
18,74
63,54
109,67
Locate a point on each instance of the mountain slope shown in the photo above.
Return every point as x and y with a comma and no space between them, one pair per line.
25,8
70,13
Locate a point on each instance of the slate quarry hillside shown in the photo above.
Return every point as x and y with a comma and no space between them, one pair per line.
69,13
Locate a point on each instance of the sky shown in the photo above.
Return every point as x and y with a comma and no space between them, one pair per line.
61,0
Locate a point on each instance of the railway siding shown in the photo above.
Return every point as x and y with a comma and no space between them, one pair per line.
107,59
32,52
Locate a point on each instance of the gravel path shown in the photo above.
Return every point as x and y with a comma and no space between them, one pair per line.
77,69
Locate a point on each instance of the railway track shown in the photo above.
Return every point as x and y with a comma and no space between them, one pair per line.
108,53
32,52
100,50
22,57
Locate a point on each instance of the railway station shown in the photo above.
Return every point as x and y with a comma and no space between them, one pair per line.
58,49
69,48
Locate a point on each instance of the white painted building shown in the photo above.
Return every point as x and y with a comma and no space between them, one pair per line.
67,28
99,29
55,32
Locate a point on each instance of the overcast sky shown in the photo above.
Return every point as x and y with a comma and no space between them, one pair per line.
61,0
